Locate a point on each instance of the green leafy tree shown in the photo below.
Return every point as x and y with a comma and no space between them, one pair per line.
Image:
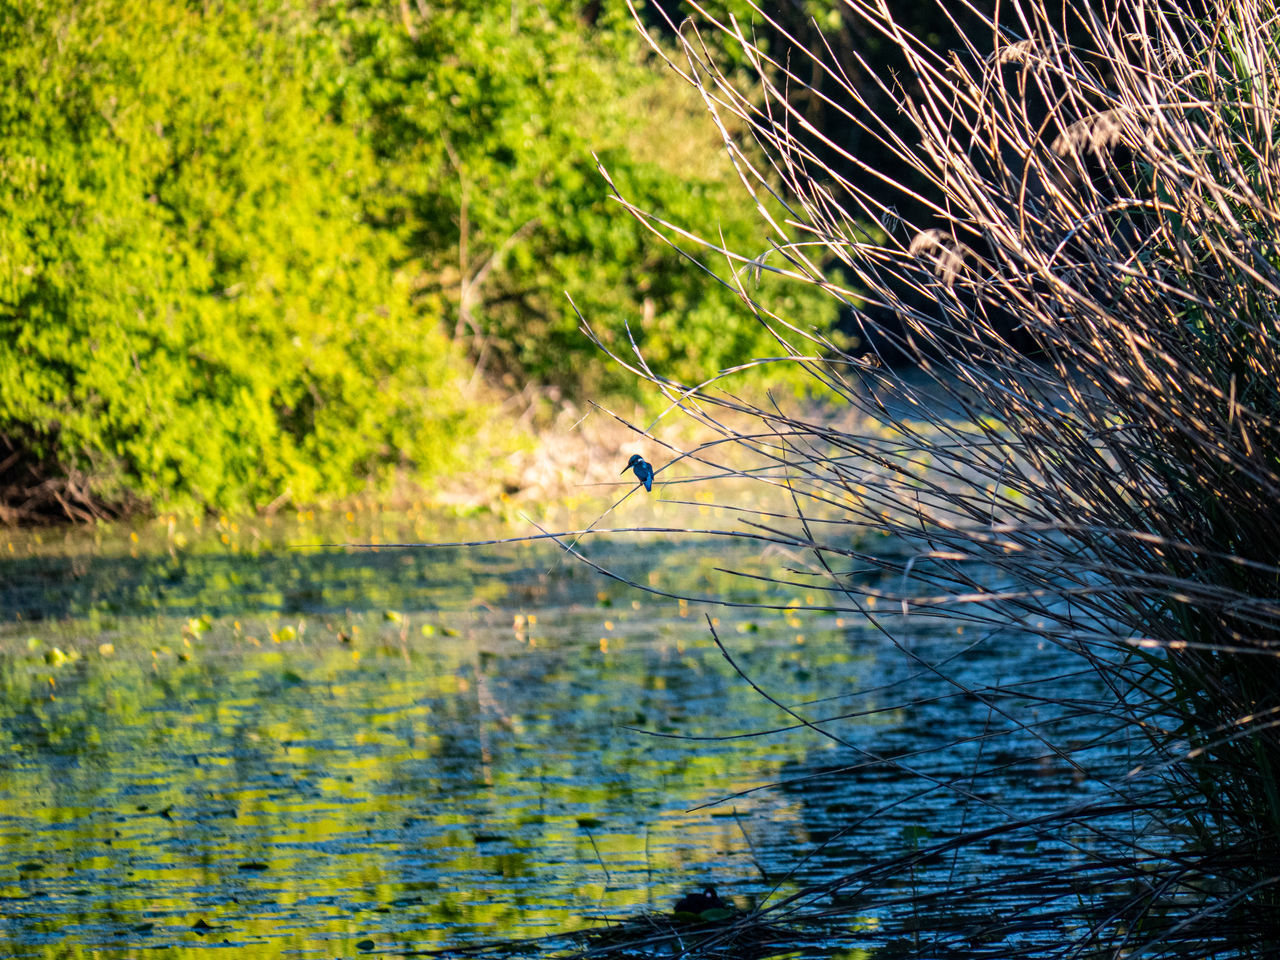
489,120
247,251
193,302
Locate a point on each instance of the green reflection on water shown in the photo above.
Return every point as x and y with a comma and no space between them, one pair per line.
298,750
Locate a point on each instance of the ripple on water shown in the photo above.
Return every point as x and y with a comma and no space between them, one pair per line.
300,753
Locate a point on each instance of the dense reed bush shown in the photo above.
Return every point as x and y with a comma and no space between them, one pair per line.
1103,187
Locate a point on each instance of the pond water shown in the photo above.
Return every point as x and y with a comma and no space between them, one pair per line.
220,739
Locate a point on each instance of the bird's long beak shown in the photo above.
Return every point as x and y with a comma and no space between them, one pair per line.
625,469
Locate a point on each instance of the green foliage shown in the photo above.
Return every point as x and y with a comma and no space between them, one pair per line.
192,299
489,120
235,242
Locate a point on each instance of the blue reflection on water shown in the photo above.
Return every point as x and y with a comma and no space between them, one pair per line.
421,749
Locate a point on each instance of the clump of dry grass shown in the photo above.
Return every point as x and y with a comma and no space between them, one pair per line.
1103,185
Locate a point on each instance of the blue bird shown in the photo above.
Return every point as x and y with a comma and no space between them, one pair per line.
644,472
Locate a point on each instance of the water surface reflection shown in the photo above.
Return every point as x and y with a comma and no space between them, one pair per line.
316,753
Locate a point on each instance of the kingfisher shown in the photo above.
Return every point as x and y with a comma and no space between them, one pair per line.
644,472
